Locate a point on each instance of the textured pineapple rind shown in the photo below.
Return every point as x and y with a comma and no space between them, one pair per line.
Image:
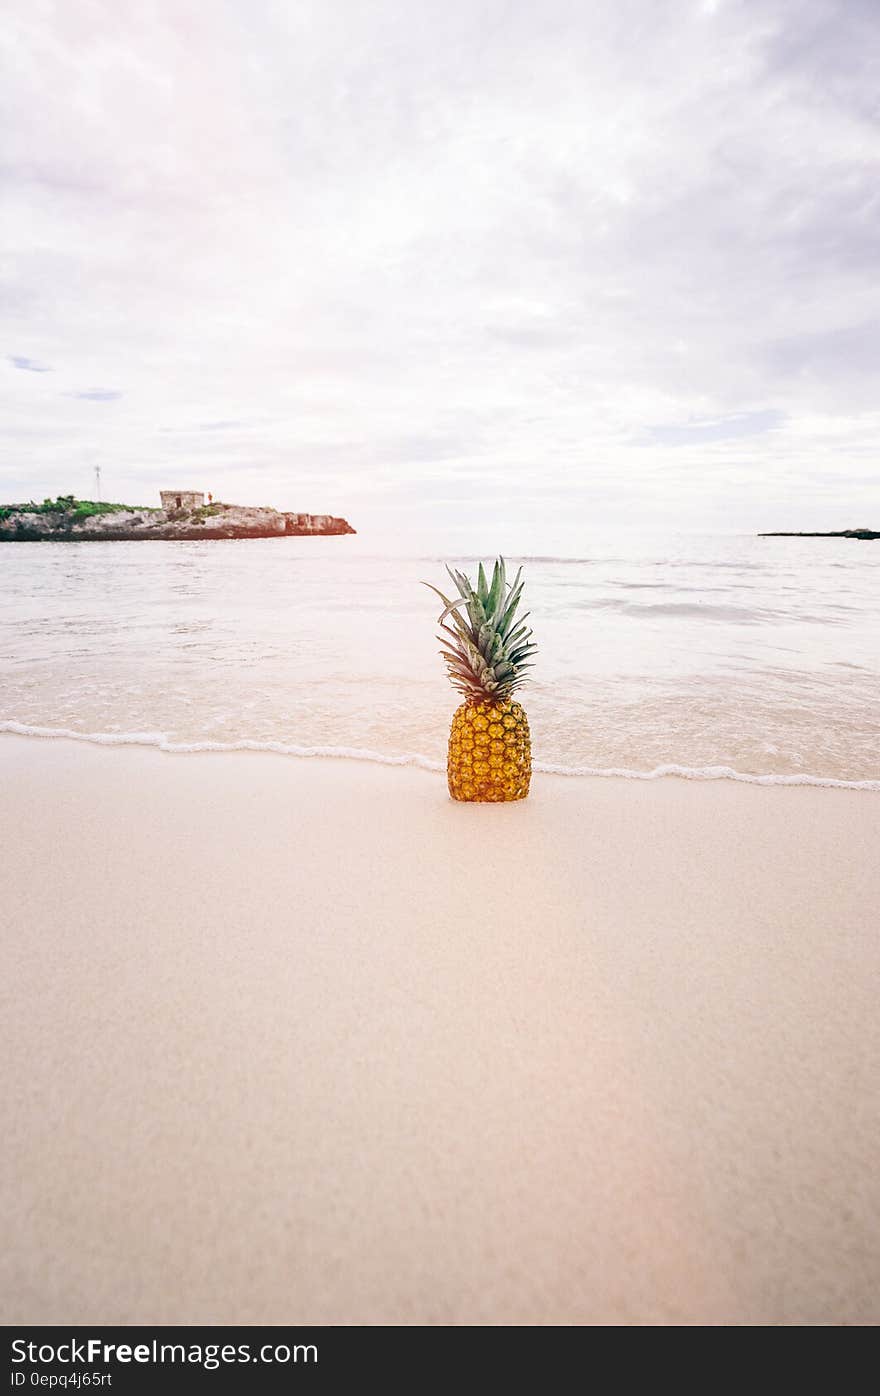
490,755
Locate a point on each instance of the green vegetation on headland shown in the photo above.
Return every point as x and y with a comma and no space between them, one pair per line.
863,533
76,509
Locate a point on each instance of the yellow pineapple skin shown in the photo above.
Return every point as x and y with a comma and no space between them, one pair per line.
490,753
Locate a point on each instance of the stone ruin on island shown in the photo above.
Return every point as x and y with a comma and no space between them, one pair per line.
181,499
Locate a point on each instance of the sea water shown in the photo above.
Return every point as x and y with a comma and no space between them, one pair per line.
701,656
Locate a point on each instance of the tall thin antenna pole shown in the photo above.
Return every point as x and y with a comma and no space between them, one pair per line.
98,483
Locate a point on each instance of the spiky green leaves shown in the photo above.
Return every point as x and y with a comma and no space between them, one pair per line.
487,648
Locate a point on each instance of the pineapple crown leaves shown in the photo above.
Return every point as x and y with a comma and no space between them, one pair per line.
487,648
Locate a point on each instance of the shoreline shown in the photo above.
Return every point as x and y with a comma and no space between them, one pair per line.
158,742
308,1042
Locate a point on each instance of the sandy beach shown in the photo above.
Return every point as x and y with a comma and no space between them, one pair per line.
304,1041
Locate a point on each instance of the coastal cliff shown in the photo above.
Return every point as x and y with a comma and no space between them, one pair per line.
71,520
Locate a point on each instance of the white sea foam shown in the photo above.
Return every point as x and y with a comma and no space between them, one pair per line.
160,741
707,773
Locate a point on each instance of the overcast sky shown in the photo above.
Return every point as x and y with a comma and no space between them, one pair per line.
500,274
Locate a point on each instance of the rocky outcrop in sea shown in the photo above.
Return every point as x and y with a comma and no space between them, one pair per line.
121,524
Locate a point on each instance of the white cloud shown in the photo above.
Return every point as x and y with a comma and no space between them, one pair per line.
442,263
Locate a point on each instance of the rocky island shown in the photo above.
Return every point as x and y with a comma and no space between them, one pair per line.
863,533
183,516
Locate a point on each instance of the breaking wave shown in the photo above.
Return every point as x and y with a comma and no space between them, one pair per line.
160,742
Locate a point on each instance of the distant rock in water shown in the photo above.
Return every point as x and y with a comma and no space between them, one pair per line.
863,533
70,520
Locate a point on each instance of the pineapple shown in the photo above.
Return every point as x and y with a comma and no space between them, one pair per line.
486,650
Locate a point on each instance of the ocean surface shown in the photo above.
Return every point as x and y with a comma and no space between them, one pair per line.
701,656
